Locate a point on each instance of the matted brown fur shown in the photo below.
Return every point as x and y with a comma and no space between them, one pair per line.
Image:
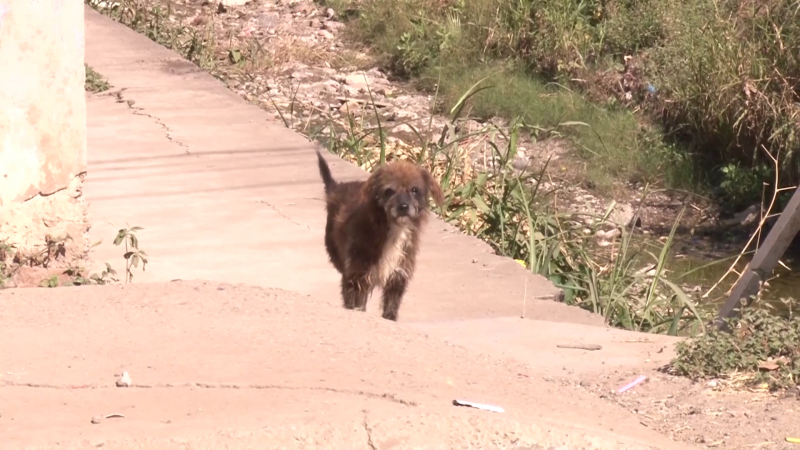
372,230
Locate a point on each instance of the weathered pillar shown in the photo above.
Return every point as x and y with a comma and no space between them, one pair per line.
42,124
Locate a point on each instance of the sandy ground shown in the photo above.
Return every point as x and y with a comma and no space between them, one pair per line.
232,366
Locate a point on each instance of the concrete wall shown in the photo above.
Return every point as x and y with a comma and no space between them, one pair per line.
42,122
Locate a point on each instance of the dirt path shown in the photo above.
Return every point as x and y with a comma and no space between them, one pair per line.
217,365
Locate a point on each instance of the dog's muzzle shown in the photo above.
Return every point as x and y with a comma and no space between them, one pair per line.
404,209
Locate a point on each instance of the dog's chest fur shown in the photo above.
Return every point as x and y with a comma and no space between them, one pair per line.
394,251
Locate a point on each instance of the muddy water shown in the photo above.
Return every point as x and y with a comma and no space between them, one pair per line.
694,270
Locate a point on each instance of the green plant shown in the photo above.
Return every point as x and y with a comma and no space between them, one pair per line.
11,260
94,81
761,348
7,251
613,142
78,277
49,282
53,249
133,255
741,185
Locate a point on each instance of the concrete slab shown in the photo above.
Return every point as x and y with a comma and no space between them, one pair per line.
223,366
554,349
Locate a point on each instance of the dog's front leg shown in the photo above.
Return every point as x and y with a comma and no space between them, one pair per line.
393,294
355,292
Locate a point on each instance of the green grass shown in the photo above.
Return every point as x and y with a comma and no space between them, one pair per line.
761,348
614,142
94,81
725,72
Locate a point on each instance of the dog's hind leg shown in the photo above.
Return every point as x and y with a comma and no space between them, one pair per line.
355,292
393,293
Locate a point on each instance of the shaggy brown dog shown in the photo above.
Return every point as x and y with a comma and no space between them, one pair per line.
372,230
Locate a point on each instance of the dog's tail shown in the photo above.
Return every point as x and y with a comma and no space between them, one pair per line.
325,173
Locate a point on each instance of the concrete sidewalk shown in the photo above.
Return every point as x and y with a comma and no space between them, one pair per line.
227,194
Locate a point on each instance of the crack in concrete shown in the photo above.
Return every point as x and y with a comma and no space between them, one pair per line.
48,194
280,213
386,396
369,432
139,111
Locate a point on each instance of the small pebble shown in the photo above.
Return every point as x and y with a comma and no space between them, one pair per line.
124,380
96,420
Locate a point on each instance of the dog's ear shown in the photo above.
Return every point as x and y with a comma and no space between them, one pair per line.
433,187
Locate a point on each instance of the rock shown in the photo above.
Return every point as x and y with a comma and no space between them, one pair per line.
385,91
350,106
299,75
235,2
521,163
349,90
325,34
124,380
356,80
325,86
360,81
622,215
608,235
96,419
268,20
403,128
330,13
376,73
744,218
332,25
406,116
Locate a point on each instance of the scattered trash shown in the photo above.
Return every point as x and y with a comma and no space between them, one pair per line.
496,409
98,419
590,347
793,440
633,383
124,380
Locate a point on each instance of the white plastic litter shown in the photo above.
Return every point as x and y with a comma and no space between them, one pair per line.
491,408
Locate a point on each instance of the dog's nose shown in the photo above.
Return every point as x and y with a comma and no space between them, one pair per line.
402,207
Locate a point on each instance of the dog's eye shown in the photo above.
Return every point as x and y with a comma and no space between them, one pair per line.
388,192
414,191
